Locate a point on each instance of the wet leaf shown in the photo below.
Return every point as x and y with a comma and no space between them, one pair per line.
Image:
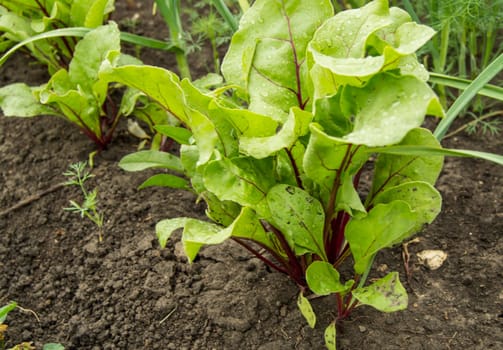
299,216
267,53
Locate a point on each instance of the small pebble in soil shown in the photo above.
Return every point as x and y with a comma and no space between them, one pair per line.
432,259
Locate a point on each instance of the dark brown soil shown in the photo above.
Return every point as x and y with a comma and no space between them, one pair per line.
127,293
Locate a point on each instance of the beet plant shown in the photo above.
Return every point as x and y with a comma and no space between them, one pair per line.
320,103
77,94
21,20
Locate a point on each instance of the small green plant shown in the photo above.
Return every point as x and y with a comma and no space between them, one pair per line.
4,311
77,175
315,98
20,20
467,40
211,27
75,94
171,13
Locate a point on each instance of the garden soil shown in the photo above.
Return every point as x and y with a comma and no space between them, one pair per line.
128,293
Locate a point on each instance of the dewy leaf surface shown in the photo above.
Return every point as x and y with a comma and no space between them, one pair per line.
386,294
295,126
337,51
325,156
388,107
355,45
391,170
384,225
267,53
299,217
243,180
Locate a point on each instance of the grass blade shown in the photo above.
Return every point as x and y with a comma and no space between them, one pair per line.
487,74
81,31
488,90
432,151
226,14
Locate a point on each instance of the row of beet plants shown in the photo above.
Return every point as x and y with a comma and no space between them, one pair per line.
311,102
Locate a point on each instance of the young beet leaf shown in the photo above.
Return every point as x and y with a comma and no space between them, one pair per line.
280,170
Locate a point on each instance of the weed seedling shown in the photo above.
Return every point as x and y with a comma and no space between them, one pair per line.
77,175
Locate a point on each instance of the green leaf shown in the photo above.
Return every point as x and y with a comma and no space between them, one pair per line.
87,13
159,84
80,32
422,198
179,134
79,106
386,294
150,159
199,233
439,152
353,46
339,47
384,225
248,226
326,156
165,180
164,87
388,107
196,233
18,100
53,346
78,92
306,310
213,131
391,170
4,310
296,125
348,198
165,228
244,180
221,212
323,279
250,124
299,216
88,56
267,53
330,336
